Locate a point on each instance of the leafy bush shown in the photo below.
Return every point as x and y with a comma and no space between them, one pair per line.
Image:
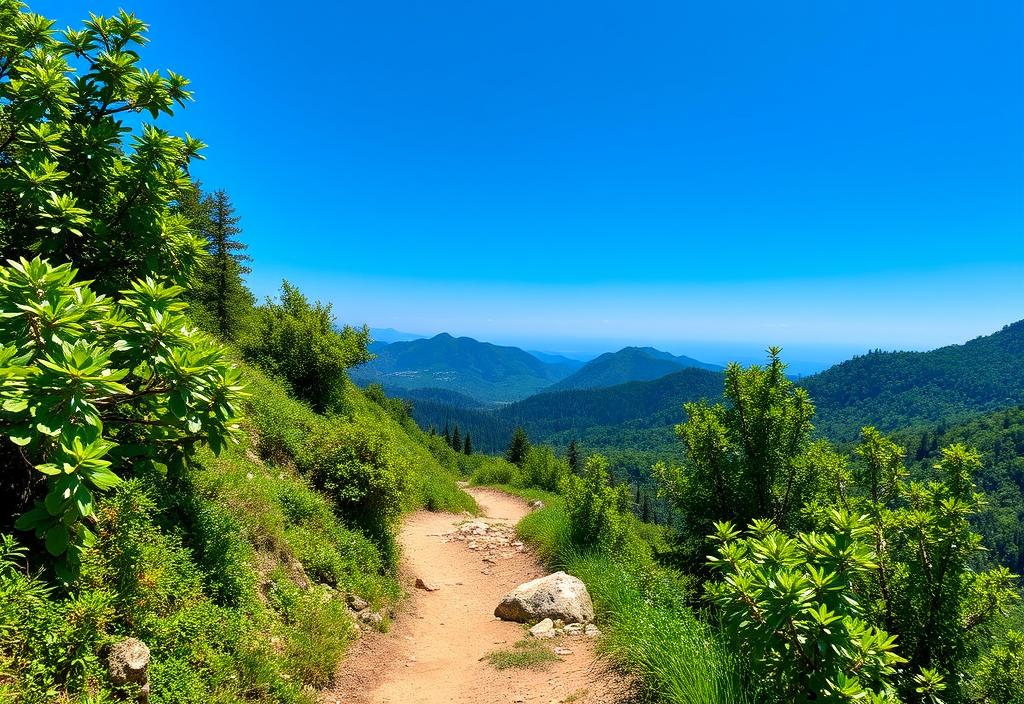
498,470
296,341
543,469
751,457
84,186
596,510
789,602
360,467
927,588
91,384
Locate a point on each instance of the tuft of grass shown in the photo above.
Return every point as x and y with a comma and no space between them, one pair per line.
526,654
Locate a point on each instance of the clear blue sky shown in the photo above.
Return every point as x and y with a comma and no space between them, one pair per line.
558,173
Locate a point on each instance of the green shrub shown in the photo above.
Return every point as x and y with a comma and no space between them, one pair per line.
789,603
360,468
595,510
497,470
543,469
297,342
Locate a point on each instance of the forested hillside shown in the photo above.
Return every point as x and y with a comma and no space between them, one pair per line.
628,364
605,418
999,436
899,389
486,372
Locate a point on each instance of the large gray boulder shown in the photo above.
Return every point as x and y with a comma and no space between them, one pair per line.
557,596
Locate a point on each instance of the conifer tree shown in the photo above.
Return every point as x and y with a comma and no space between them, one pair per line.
456,440
467,447
219,297
518,448
573,456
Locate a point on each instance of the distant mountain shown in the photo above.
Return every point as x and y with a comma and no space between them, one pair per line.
486,372
628,364
893,390
388,335
557,359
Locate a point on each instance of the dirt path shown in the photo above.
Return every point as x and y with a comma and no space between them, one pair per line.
436,650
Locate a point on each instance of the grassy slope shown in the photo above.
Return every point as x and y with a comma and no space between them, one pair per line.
235,575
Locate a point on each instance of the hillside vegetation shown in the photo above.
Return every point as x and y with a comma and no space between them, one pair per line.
899,389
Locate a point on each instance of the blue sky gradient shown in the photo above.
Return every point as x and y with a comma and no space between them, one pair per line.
841,175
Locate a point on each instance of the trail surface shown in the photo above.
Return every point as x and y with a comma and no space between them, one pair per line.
436,650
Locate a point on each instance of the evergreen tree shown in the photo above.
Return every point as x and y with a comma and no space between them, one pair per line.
467,447
219,298
447,435
518,448
456,439
573,455
645,509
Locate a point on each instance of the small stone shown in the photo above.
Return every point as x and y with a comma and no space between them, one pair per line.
357,602
426,586
574,629
563,651
128,661
544,629
592,631
370,617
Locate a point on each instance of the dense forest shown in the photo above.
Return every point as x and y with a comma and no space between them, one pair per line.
192,471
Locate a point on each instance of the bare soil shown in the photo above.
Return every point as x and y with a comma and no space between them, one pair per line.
436,649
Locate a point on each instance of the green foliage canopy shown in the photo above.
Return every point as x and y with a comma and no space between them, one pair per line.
77,184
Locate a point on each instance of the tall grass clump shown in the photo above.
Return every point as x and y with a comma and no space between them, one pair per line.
653,636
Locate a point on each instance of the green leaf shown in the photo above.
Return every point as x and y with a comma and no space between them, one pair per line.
100,477
15,405
21,435
57,540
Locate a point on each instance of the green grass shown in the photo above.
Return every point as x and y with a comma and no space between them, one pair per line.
529,654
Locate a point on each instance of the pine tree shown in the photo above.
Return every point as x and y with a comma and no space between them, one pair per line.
573,456
645,509
467,446
447,435
456,440
219,298
518,448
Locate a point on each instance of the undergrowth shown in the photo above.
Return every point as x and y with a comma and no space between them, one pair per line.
236,572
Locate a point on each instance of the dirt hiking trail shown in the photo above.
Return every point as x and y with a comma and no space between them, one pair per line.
436,649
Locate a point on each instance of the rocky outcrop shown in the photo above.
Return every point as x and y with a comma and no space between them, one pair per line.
556,596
